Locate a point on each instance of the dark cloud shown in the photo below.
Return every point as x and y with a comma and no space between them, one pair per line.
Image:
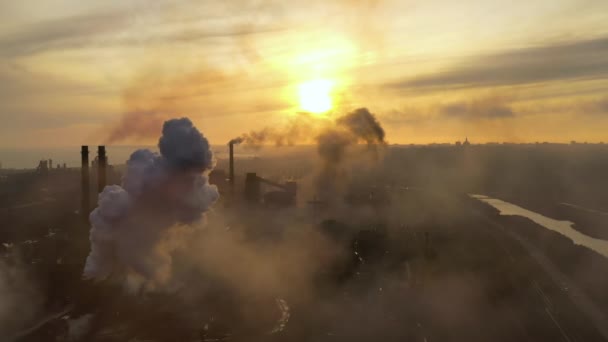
596,106
455,109
406,116
603,105
488,108
585,59
483,109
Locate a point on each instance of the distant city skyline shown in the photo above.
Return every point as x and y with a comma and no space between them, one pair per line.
74,72
28,158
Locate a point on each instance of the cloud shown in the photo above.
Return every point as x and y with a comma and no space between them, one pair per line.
61,33
157,94
593,106
125,27
602,105
16,81
583,59
25,97
486,108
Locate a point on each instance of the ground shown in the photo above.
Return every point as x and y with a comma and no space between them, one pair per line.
426,263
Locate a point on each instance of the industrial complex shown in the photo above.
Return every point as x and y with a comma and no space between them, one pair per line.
275,261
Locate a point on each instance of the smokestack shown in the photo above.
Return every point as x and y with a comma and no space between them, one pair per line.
231,148
101,168
84,178
252,187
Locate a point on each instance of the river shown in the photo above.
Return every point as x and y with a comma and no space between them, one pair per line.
564,228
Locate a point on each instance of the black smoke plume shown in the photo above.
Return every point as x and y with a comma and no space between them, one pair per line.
333,144
334,138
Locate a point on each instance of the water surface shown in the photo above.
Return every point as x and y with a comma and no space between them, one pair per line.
562,227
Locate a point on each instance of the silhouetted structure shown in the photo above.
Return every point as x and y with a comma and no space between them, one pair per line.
280,198
284,197
252,187
102,162
231,167
219,178
84,178
43,166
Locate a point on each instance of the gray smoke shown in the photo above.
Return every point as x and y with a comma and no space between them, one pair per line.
236,141
137,226
364,126
359,126
333,138
297,130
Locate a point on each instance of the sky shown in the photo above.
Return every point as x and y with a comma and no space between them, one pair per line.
91,72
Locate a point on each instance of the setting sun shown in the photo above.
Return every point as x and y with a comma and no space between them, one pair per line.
315,95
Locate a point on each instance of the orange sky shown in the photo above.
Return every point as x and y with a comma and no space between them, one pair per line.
74,72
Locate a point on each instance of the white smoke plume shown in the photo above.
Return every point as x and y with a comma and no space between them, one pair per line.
137,226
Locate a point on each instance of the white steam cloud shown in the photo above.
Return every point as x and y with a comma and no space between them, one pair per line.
137,226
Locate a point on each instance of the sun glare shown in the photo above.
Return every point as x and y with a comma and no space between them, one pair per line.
315,95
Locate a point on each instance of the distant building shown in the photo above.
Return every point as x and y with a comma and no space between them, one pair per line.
466,142
43,166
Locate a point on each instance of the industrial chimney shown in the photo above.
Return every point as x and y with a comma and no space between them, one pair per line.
102,162
252,187
231,167
84,178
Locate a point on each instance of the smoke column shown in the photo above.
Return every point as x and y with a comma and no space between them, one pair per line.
333,139
297,130
358,126
364,126
136,226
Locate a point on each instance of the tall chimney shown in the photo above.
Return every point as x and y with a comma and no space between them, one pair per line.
102,161
84,178
231,147
252,187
